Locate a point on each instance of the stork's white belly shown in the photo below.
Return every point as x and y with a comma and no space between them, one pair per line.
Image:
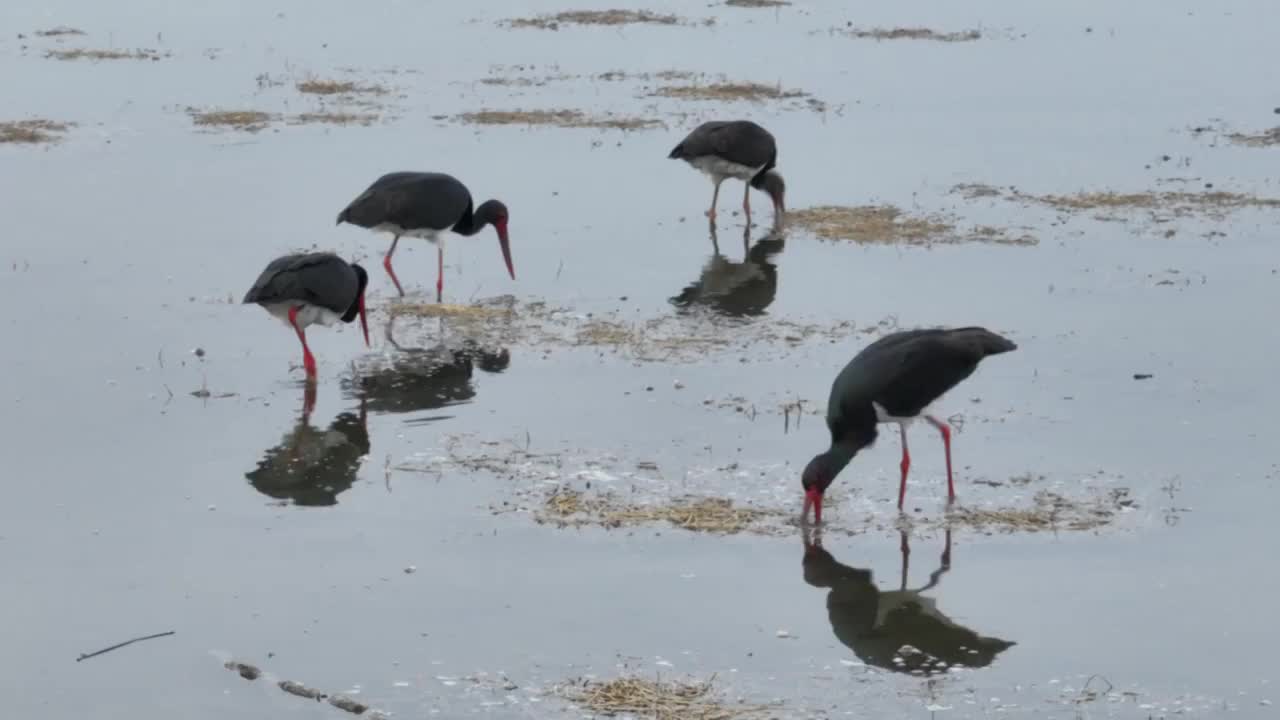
719,168
308,315
883,416
424,233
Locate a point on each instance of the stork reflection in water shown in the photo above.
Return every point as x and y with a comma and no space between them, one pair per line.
414,379
900,630
310,466
737,289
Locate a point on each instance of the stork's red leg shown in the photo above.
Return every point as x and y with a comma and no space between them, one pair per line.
945,429
715,197
906,465
308,362
386,263
439,272
746,203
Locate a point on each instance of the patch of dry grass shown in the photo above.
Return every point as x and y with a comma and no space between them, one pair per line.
1266,138
728,92
96,55
32,132
333,118
60,31
973,191
243,120
253,121
886,224
657,699
566,507
516,80
597,17
1110,205
911,33
338,87
558,118
1049,511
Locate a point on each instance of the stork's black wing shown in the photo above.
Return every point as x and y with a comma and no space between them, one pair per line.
322,279
411,200
738,141
907,371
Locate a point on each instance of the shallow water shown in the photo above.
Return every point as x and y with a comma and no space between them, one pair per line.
135,507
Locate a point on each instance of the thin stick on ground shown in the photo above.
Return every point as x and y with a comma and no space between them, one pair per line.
117,646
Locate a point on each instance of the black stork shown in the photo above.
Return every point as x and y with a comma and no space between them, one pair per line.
894,380
304,289
739,149
425,205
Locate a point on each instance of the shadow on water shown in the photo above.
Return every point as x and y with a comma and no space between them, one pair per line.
416,379
311,466
876,624
737,289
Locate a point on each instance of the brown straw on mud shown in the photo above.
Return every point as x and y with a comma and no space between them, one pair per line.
661,700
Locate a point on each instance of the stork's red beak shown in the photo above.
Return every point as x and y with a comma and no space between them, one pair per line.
505,241
812,497
364,323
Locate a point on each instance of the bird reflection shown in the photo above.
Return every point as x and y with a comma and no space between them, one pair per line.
415,379
311,466
877,624
737,289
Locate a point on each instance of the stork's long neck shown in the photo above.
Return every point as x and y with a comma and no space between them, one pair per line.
470,224
839,455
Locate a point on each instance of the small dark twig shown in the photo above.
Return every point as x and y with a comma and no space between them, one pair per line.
117,646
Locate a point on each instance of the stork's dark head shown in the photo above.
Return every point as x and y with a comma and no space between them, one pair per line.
818,476
493,212
357,307
772,183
